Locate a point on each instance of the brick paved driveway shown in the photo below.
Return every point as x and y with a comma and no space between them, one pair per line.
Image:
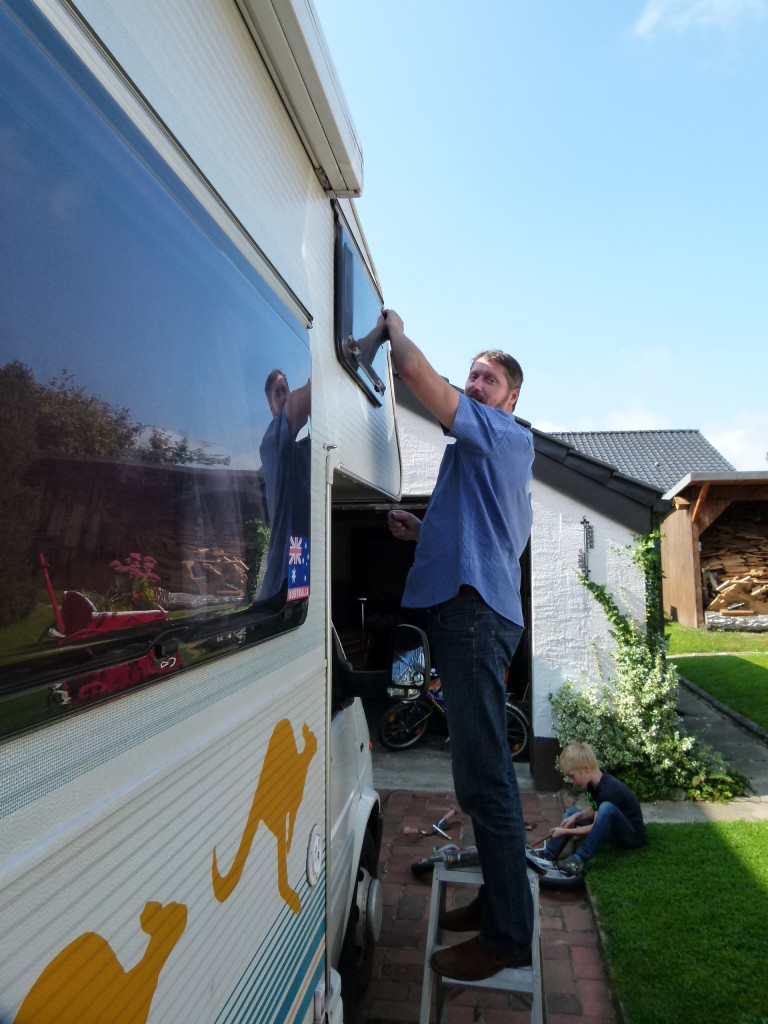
575,987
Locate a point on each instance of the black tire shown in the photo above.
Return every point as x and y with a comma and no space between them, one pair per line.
404,724
356,960
517,731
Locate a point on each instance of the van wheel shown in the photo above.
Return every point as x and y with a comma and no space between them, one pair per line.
363,930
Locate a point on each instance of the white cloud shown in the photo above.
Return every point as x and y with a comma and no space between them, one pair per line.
743,441
681,15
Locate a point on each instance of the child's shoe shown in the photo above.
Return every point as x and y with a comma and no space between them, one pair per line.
572,866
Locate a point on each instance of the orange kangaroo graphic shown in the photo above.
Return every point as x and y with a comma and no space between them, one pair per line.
86,983
279,793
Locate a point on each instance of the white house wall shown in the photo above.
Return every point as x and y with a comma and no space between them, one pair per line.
570,638
422,451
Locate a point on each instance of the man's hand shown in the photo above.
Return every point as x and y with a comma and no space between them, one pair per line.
403,525
298,407
394,322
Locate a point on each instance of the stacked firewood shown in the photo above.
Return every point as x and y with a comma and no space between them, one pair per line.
211,571
734,563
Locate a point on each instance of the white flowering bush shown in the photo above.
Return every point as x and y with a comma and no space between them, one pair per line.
630,719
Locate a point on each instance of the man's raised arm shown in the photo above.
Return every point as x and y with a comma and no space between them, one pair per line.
418,373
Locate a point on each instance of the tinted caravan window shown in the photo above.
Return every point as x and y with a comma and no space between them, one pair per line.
357,308
154,498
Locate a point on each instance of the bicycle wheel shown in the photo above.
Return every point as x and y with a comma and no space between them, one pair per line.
517,730
404,724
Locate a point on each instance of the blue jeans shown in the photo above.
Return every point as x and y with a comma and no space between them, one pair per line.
473,647
610,826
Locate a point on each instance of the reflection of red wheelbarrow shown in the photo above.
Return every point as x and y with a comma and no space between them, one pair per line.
108,681
78,620
81,620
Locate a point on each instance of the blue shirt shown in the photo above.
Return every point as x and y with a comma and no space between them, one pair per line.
479,516
287,484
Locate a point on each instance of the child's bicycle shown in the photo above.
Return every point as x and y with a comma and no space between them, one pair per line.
406,722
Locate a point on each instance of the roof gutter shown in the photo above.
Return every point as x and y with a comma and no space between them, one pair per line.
735,477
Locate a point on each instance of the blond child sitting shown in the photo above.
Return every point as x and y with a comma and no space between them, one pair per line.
614,814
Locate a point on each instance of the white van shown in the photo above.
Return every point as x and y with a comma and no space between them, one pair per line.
188,826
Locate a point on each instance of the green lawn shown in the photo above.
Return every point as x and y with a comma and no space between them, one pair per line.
738,680
685,923
685,640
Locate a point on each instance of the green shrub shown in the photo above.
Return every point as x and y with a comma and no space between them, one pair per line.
631,719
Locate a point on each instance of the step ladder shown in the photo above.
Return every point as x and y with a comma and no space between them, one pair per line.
522,980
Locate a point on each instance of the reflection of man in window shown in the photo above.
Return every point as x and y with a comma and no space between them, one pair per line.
285,461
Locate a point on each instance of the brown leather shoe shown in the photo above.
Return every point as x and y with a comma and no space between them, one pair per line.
471,961
461,919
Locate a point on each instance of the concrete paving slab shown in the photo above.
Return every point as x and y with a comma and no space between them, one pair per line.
425,766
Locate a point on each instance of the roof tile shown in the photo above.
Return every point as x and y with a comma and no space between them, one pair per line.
657,457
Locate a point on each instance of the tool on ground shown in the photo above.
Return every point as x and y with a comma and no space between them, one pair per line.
438,829
444,822
465,858
426,865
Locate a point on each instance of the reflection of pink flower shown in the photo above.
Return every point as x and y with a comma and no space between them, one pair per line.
137,591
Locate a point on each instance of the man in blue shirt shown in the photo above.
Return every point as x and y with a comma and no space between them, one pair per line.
286,466
466,573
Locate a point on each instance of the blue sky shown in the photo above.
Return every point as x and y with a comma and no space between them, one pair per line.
582,184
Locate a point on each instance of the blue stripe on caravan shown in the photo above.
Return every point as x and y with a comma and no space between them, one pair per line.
264,965
282,972
270,969
301,993
274,949
299,990
278,969
292,945
274,964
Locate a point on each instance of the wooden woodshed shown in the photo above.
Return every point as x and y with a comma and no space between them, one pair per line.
714,551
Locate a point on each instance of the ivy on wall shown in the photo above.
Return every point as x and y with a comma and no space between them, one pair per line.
630,718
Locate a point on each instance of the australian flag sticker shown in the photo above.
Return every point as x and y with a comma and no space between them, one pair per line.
298,568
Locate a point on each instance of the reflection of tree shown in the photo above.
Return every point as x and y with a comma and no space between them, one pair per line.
70,421
161,447
74,422
60,418
18,500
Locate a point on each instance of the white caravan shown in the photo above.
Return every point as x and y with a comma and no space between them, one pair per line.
189,830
